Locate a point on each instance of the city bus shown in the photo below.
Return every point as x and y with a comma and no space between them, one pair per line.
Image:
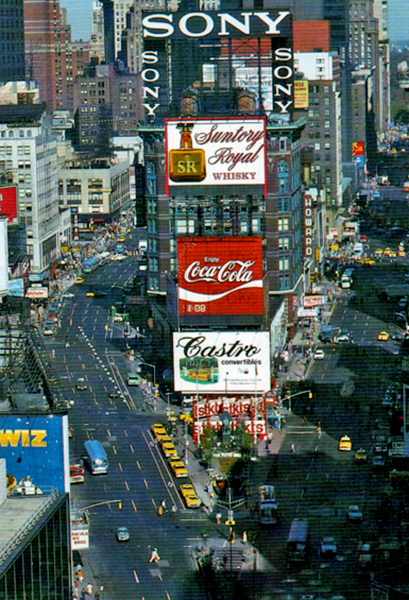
90,264
297,543
97,458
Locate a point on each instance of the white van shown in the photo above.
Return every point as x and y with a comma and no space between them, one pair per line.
358,249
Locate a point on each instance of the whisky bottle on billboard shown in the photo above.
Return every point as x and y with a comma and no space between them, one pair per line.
187,163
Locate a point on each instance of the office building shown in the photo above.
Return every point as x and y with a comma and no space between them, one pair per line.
12,64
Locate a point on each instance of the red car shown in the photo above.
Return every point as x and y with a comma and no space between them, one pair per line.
363,239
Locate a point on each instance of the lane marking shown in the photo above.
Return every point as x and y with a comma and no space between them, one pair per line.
146,484
138,465
134,506
127,486
120,467
136,576
132,450
114,449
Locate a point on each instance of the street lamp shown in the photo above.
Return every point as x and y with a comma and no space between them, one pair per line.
154,372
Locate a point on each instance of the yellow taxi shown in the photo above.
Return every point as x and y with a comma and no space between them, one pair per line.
345,444
383,336
178,467
401,253
378,252
190,497
361,455
168,448
79,280
159,431
121,239
368,261
90,294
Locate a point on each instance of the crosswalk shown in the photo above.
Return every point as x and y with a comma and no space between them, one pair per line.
229,558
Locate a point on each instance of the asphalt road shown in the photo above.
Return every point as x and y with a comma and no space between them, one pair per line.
138,477
316,481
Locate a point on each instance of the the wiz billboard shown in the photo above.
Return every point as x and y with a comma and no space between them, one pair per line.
220,276
33,448
202,42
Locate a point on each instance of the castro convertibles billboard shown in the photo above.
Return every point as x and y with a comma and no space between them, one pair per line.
221,276
221,361
211,152
33,449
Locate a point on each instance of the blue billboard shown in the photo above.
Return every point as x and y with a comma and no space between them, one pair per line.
33,447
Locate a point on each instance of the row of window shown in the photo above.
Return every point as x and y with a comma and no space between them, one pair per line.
22,133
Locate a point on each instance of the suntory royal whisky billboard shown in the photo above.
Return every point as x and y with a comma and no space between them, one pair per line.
215,152
220,276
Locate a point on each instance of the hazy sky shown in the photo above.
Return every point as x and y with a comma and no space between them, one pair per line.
79,17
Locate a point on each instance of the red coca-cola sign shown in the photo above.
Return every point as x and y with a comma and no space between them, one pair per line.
220,276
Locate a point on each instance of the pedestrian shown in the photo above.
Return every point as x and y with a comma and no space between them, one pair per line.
160,510
173,510
224,561
293,448
319,432
154,556
218,518
83,593
163,505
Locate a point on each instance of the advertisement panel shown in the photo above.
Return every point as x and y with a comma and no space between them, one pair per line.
79,539
221,276
4,257
8,203
33,448
37,292
210,152
358,148
221,361
301,98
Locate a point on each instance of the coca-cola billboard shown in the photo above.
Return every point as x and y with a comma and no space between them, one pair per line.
221,361
216,152
220,276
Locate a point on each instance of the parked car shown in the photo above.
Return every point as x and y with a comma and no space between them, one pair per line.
81,384
361,455
328,546
354,513
190,496
49,327
318,354
378,462
383,336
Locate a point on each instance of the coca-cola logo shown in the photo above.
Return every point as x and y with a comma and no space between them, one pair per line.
230,272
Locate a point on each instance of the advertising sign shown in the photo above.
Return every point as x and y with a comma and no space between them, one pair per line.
33,448
79,539
37,292
220,276
358,148
301,98
4,257
221,361
215,151
8,203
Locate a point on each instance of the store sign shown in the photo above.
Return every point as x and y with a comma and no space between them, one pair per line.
215,152
79,539
250,426
308,224
223,361
36,292
220,276
311,300
233,406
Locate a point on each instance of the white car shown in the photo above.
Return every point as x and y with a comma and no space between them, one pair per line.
354,513
318,354
68,295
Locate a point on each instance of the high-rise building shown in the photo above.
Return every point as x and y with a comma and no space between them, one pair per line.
51,60
12,67
28,150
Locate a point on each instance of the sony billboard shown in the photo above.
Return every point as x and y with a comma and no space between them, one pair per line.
209,152
220,276
221,361
184,32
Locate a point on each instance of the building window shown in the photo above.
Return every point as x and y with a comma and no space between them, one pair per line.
284,243
284,224
284,263
283,175
285,282
283,204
